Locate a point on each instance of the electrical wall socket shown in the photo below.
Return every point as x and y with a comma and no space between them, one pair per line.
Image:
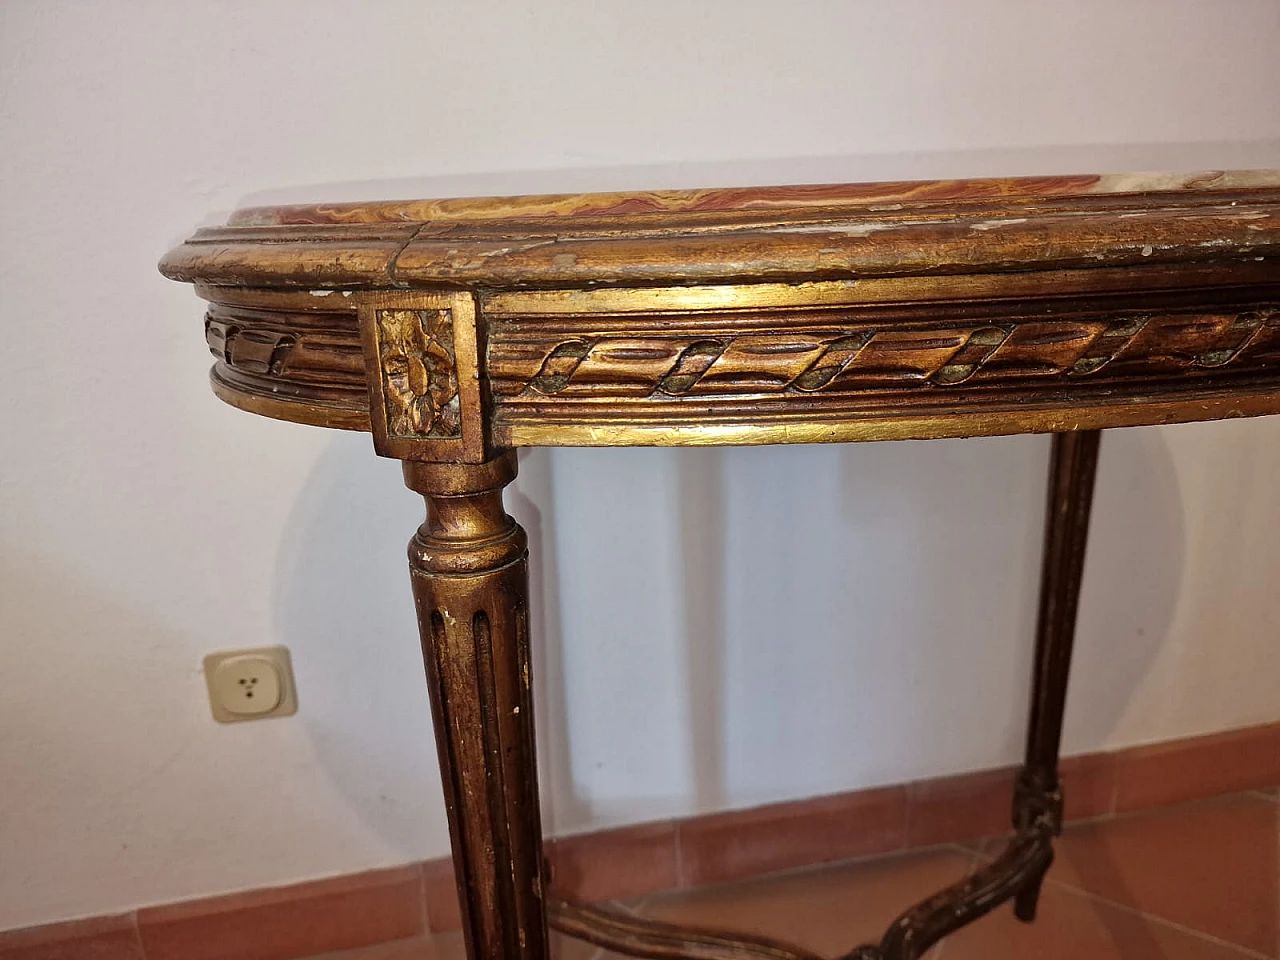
250,684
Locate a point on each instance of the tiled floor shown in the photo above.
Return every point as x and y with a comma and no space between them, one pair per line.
1193,882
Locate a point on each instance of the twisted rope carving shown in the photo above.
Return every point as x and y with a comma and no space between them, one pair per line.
873,357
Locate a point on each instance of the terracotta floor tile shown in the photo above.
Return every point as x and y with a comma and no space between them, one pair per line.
1088,785
102,938
1195,882
965,807
448,946
441,892
566,948
1213,866
746,843
616,863
828,910
1072,926
288,922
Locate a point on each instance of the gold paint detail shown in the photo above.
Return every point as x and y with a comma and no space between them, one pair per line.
419,373
254,351
886,290
310,355
799,374
288,357
921,426
313,413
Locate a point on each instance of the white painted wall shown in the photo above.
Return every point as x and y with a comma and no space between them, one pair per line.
716,628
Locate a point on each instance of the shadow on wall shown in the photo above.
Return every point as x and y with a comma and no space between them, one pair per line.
835,617
342,604
531,502
727,627
1133,580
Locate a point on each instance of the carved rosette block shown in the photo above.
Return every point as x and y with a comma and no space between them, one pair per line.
420,373
423,370
470,584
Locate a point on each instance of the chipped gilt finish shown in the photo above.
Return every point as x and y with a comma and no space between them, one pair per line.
458,330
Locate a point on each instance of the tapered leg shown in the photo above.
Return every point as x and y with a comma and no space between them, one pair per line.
1039,794
470,584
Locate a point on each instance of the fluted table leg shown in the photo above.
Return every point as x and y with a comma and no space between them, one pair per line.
470,584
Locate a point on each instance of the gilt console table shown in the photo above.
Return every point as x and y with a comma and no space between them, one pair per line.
459,330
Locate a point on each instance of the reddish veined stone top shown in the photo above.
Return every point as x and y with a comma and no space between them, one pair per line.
833,197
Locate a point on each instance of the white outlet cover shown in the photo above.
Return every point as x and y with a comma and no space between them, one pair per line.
250,684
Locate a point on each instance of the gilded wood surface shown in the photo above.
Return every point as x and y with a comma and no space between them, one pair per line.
792,234
763,315
423,370
305,358
470,584
419,373
455,328
774,373
820,353
882,371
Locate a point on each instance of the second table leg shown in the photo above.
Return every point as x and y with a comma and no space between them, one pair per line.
1072,469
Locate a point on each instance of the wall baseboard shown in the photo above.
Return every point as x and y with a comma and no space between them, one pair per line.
320,916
